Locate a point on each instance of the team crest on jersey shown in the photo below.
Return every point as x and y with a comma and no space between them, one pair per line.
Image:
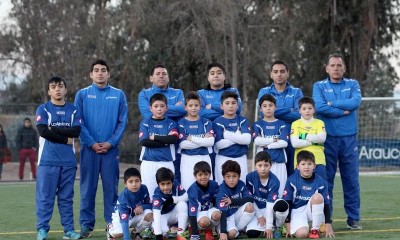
274,196
156,203
141,134
38,118
193,209
124,216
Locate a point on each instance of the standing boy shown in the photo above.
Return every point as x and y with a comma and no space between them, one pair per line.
27,144
235,202
309,134
308,198
232,136
196,139
202,193
270,211
271,135
158,136
133,209
104,113
58,122
169,205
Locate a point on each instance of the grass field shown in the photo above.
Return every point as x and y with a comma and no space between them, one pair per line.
379,193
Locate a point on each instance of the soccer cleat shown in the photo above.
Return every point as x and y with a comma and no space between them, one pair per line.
85,231
72,235
146,233
322,228
277,233
170,234
42,235
354,225
185,235
208,234
314,233
195,237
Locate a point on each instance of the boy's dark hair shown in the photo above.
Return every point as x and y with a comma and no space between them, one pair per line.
158,97
230,166
335,55
164,174
131,172
304,100
279,62
267,97
101,62
201,166
305,155
262,156
156,66
215,64
229,94
192,95
27,119
56,80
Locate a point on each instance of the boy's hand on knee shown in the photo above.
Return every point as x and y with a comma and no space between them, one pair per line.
223,236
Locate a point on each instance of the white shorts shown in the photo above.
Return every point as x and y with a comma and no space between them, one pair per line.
116,227
148,170
208,214
300,217
253,224
233,220
219,160
279,169
187,165
169,219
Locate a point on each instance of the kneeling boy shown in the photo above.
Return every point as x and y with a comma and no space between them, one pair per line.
133,208
235,202
202,193
269,209
308,198
169,205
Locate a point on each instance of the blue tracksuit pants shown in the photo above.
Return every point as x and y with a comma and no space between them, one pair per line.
343,150
91,166
51,182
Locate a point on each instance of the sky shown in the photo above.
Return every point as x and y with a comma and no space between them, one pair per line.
5,8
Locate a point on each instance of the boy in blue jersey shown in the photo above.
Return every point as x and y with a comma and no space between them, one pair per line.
202,193
196,139
308,198
232,136
169,205
58,123
270,211
287,99
158,136
211,95
133,209
104,111
235,202
271,135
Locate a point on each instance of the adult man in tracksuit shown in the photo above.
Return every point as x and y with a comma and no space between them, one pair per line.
337,100
104,110
175,98
211,95
287,103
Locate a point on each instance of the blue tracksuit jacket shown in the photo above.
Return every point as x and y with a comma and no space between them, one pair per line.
285,102
345,95
173,96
